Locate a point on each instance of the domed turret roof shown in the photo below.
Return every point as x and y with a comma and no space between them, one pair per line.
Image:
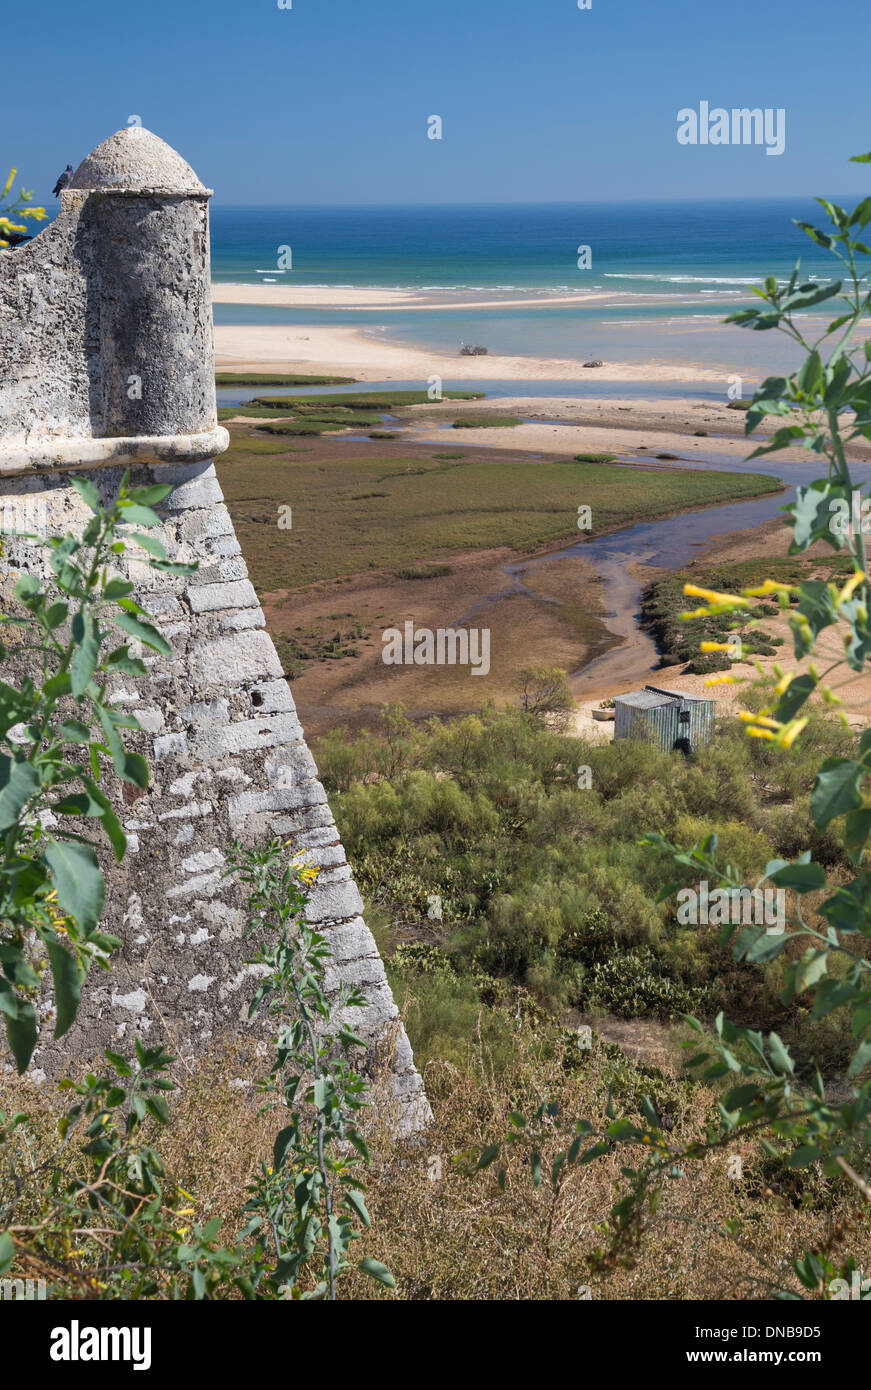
135,161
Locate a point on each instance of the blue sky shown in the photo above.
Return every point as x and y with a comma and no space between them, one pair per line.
327,102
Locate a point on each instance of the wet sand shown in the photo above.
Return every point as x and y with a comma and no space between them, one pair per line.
348,351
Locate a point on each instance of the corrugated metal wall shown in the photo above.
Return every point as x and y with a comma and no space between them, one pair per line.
658,725
686,724
699,727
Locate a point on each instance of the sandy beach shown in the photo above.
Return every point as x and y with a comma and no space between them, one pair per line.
370,357
623,427
360,297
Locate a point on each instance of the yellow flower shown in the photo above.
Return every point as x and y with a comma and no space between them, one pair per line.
851,584
769,587
716,646
784,682
761,719
791,732
712,597
761,726
8,183
722,680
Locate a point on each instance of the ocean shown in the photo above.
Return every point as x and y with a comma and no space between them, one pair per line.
671,272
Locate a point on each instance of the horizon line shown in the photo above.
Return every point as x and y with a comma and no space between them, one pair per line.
547,202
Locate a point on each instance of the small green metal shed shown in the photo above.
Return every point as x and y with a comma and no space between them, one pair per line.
670,719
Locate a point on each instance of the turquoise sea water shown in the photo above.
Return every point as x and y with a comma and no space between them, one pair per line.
670,271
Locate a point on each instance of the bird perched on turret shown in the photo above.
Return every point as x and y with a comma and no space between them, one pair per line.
65,179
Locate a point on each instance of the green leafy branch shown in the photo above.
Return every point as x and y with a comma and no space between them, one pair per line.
56,725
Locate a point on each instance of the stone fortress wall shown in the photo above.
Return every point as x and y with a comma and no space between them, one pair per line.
106,363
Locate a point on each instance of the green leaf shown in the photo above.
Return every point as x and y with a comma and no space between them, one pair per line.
739,1096
847,910
821,238
134,515
143,631
803,974
810,377
86,656
67,979
836,790
158,1109
857,828
755,944
589,1154
803,1155
355,1200
794,697
121,660
535,1167
18,783
78,879
149,496
812,514
111,823
77,804
860,1060
7,1251
121,1065
131,767
55,615
21,1033
649,1112
8,999
174,567
780,1058
152,545
378,1271
74,731
283,1140
118,588
804,878
861,213
15,967
87,492
488,1155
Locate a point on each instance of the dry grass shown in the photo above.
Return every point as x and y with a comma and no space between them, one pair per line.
460,1237
457,1236
448,1232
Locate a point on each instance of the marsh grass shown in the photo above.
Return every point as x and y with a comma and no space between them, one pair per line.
436,506
367,400
279,379
680,640
486,422
423,571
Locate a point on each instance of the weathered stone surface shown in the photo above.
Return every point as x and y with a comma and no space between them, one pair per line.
213,598
235,660
219,727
